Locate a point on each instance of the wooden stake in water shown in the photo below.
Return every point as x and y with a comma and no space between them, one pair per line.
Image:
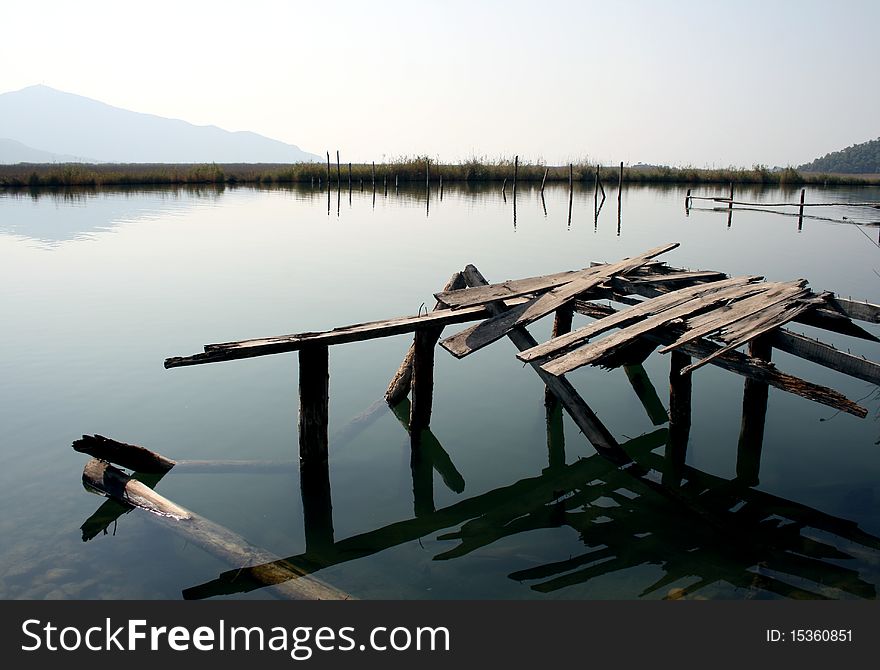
801,210
328,169
349,183
544,180
687,203
427,173
373,174
570,176
515,174
730,207
338,173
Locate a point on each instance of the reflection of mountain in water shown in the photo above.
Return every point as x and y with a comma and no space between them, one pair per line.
52,217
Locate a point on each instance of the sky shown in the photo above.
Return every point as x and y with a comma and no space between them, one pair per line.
707,84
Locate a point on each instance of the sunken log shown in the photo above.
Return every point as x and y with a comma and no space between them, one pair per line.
128,456
594,430
286,580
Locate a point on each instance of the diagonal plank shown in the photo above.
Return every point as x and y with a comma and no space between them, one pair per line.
493,329
756,325
673,305
727,315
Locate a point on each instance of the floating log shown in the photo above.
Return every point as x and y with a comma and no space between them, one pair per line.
593,429
476,337
400,384
221,542
128,456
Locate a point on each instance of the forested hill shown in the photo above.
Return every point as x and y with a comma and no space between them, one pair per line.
858,159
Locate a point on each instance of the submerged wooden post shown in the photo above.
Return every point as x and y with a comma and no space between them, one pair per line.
373,174
751,434
424,344
801,210
561,325
385,185
555,438
596,190
620,180
328,169
428,173
349,177
687,202
422,474
570,176
730,203
338,172
544,180
679,418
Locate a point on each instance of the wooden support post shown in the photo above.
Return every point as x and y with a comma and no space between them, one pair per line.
687,203
338,172
647,394
328,169
396,182
730,202
373,175
503,189
596,190
441,184
544,180
424,344
385,185
801,210
561,325
751,435
349,178
570,176
679,418
620,180
422,474
555,439
428,173
314,396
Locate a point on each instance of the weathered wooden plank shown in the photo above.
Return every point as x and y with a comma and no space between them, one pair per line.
666,307
679,277
828,356
741,364
854,309
476,337
726,315
512,288
363,331
754,326
287,580
595,351
594,430
399,386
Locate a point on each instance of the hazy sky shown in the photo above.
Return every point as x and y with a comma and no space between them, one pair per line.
702,83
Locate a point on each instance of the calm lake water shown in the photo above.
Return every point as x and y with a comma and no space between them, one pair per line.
99,288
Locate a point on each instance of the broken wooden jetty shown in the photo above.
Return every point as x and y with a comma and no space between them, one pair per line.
698,317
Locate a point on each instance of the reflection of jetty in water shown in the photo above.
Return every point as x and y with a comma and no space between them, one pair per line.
630,504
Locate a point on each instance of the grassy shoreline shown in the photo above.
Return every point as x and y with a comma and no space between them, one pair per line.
27,175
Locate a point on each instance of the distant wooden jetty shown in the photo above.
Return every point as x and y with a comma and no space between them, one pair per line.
698,317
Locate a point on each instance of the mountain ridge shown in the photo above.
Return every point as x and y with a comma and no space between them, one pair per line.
68,124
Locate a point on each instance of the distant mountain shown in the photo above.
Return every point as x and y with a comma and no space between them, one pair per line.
858,159
64,123
16,152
